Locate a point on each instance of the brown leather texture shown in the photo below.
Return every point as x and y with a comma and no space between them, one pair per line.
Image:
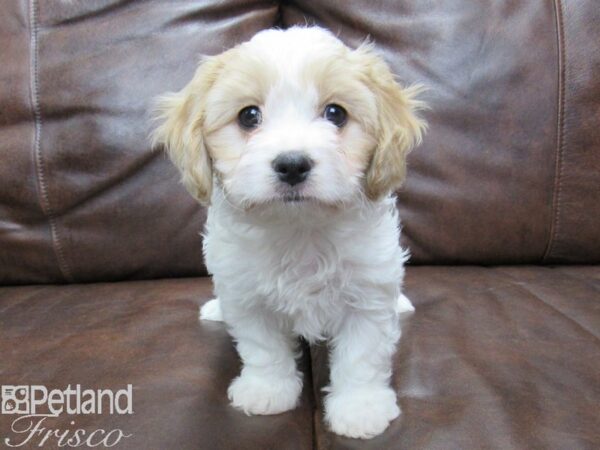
493,358
82,195
575,229
510,168
146,333
498,357
509,171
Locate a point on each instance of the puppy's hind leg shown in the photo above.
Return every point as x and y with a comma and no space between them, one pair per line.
404,305
211,310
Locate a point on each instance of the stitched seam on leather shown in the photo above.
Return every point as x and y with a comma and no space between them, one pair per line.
39,161
558,171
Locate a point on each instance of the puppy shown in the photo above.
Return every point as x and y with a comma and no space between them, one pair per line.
297,143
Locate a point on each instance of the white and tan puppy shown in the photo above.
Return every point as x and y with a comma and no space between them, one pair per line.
297,143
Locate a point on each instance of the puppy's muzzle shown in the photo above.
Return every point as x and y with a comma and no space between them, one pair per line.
292,167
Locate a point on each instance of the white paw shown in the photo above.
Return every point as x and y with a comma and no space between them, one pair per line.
363,413
404,305
255,394
211,310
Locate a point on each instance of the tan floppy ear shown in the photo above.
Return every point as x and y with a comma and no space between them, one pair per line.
398,127
181,116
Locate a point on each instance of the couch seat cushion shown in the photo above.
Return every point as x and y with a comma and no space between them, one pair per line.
146,334
493,358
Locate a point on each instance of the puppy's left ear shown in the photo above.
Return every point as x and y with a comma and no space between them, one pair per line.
398,127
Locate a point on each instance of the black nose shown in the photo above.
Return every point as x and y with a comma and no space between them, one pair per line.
292,167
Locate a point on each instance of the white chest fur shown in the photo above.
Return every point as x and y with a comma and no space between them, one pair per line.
304,263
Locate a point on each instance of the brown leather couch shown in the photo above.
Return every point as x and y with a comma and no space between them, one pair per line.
100,252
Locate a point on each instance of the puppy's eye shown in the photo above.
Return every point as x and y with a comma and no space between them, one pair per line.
336,115
250,117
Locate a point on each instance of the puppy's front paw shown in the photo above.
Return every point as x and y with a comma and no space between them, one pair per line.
363,413
255,394
211,310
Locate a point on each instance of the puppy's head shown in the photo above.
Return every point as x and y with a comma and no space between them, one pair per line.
289,117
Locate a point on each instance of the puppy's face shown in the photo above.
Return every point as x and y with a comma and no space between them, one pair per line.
290,117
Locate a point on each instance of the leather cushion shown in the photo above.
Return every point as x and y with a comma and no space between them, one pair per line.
82,195
146,334
501,357
494,358
507,174
510,168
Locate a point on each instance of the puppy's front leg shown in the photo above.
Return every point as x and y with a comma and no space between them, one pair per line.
360,402
269,382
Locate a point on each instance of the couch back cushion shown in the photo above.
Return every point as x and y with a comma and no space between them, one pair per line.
509,171
82,195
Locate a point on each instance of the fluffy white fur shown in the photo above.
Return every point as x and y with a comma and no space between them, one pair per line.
325,266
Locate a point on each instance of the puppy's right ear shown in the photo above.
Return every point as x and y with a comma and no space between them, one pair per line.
181,116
